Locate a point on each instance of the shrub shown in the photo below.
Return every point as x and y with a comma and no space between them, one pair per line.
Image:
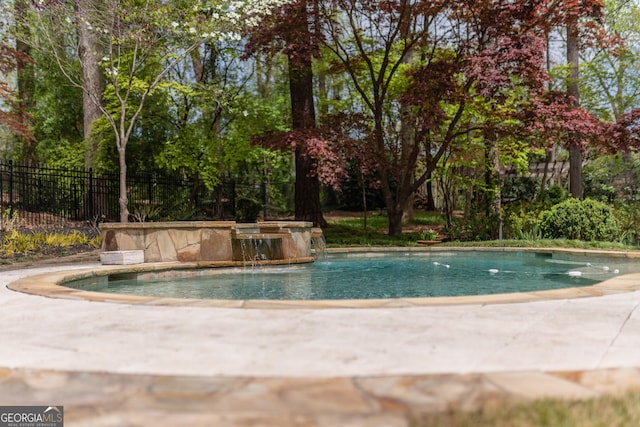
580,219
628,215
145,211
247,210
520,188
9,220
476,228
522,221
555,194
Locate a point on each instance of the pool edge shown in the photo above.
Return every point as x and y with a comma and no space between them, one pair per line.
50,284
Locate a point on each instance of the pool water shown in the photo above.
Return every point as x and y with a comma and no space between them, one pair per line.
388,276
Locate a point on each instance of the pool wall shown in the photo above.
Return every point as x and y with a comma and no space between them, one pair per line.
193,241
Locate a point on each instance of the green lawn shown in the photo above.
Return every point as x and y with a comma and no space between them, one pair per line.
608,411
352,232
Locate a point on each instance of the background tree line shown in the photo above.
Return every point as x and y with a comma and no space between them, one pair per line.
369,104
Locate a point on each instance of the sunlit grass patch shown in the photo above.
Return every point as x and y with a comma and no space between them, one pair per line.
622,411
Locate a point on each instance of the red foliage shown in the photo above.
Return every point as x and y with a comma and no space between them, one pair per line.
332,147
431,85
495,65
492,47
552,117
14,117
626,133
505,48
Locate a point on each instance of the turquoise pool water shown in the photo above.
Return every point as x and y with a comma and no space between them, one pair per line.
381,276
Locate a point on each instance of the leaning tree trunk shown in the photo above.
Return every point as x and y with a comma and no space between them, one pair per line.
431,202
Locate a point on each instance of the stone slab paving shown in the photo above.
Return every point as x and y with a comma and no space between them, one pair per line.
106,399
123,364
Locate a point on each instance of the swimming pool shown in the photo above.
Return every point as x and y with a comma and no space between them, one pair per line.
376,276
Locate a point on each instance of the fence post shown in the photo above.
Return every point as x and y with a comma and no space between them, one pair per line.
2,165
150,179
265,201
233,198
90,213
11,188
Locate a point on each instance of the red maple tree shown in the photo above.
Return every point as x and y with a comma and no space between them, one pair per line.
458,55
12,116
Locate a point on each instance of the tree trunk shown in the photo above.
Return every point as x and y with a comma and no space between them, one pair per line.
576,188
573,88
492,181
25,78
307,187
629,182
398,191
407,142
307,194
123,200
545,174
92,92
396,202
446,188
395,221
92,78
431,203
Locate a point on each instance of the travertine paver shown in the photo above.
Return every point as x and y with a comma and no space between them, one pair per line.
110,363
93,399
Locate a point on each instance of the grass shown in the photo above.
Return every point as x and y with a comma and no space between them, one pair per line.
606,411
352,232
338,235
547,243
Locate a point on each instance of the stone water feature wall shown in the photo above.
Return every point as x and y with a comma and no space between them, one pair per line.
192,241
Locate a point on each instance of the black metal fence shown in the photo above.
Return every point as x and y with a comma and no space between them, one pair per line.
42,196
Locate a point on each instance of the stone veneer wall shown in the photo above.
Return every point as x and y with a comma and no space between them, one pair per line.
191,241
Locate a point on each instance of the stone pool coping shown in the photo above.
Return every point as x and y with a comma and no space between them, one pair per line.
51,284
